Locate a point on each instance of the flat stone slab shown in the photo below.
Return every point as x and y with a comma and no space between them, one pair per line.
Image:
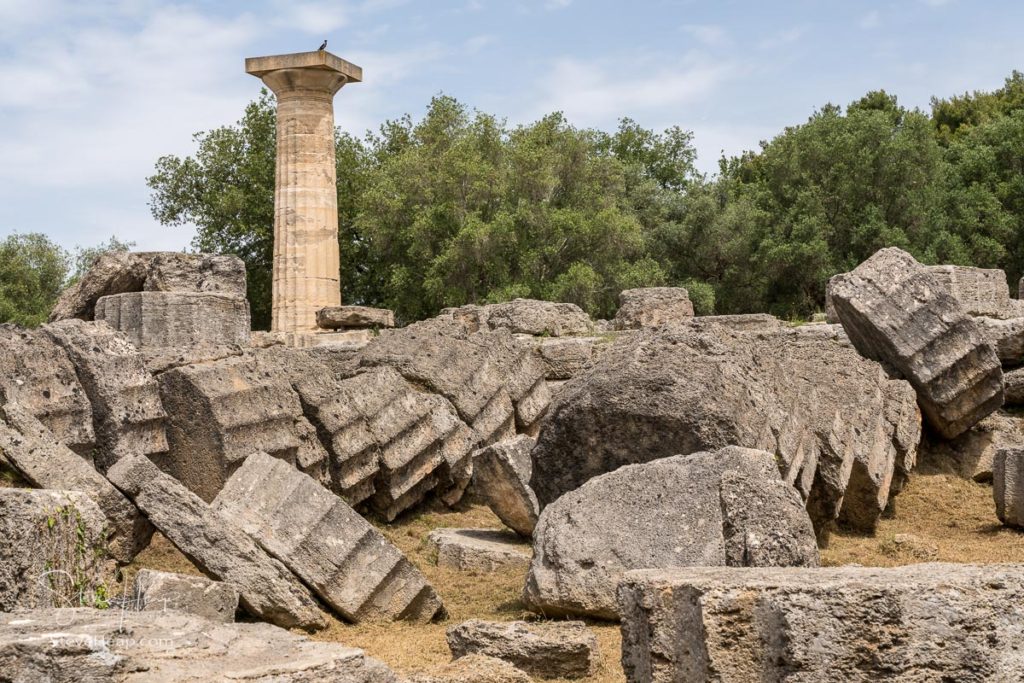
267,589
336,552
565,649
354,317
77,645
53,551
652,307
33,450
472,669
163,591
501,477
921,622
484,550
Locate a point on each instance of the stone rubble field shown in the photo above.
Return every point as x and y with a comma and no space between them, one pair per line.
513,492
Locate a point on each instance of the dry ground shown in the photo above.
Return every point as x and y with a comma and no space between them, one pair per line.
947,519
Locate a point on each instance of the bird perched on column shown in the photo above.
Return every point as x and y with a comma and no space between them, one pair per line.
323,46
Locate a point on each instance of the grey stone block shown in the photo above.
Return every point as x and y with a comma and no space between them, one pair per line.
162,591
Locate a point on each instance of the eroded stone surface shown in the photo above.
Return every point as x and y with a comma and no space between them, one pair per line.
703,509
473,669
845,434
527,316
156,591
652,307
342,317
53,550
485,550
565,649
1008,485
895,310
501,478
71,646
346,561
921,622
971,454
37,374
1006,337
267,589
33,450
128,414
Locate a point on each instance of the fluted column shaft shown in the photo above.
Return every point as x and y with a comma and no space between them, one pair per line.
306,257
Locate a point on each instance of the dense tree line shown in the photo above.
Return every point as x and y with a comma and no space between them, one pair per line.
459,207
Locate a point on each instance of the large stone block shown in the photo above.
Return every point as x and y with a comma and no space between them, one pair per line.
1008,485
160,320
220,412
119,272
844,433
971,454
652,307
162,591
564,358
557,650
1006,337
344,317
53,550
527,316
87,645
34,452
472,669
703,509
922,622
979,291
479,550
128,414
37,374
266,588
349,564
501,478
895,311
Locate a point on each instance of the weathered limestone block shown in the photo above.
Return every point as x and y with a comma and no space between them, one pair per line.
339,317
979,291
473,669
564,358
483,550
741,322
72,646
501,476
53,550
971,454
159,320
349,564
565,649
922,622
37,374
652,307
120,272
34,452
1013,381
527,316
267,589
894,310
129,417
1008,485
844,433
163,591
220,412
1006,337
703,509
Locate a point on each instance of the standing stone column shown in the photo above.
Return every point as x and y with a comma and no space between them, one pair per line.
306,260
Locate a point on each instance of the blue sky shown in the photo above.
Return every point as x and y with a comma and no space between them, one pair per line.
93,91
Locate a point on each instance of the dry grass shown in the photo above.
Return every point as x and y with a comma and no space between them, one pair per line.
948,519
951,520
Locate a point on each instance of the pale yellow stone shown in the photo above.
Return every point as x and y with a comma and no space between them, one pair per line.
306,258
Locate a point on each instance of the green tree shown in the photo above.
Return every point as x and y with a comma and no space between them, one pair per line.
32,274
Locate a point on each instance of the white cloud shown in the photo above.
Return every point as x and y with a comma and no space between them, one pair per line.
783,38
599,92
313,18
871,20
556,4
938,3
708,34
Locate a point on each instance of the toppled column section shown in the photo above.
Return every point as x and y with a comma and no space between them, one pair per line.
38,375
221,412
32,450
129,418
652,307
895,311
501,474
267,590
331,547
915,623
1008,485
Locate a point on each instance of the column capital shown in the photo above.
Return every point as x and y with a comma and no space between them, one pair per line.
304,72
